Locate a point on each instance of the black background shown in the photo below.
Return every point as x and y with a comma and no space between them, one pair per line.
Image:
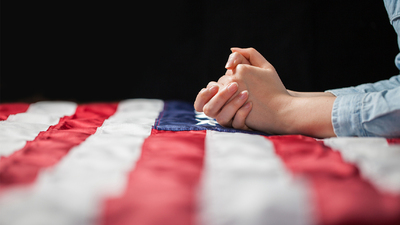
111,51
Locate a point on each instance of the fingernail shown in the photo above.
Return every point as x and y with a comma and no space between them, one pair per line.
243,95
233,87
229,64
247,105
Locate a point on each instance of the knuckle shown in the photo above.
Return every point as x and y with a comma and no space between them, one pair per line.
239,119
236,124
240,68
223,121
197,102
252,51
236,55
224,80
270,69
225,94
208,111
201,95
211,83
196,106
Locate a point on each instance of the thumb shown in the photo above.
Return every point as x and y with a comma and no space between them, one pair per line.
253,56
235,59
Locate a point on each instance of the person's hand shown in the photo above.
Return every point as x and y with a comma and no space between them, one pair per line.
267,93
222,101
218,100
273,109
235,58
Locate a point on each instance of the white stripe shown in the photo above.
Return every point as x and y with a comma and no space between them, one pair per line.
377,161
23,127
74,190
245,182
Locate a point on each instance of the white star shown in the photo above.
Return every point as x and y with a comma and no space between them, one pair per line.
202,119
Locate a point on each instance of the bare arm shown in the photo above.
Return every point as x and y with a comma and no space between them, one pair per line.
312,116
273,109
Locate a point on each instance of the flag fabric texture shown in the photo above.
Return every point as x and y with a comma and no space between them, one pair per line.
146,161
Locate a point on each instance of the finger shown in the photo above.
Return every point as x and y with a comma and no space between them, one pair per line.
224,80
253,56
234,59
214,106
228,72
212,83
239,121
204,96
225,117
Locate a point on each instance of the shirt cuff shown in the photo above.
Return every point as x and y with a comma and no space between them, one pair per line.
343,91
346,115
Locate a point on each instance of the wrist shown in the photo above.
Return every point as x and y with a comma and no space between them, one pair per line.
310,116
284,116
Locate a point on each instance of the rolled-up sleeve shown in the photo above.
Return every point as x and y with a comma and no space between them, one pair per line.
372,109
373,114
383,85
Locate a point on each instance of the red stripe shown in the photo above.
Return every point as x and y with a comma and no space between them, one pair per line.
394,141
341,195
51,146
8,109
161,188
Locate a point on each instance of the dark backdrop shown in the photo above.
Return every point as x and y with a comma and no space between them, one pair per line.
170,50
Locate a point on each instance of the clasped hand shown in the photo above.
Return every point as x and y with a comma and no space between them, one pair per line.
251,96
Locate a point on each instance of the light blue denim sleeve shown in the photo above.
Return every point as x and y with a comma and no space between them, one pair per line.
375,114
370,110
370,87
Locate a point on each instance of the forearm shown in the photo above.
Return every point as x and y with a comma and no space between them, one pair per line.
284,114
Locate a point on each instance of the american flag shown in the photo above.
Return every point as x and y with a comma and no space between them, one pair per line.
146,161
